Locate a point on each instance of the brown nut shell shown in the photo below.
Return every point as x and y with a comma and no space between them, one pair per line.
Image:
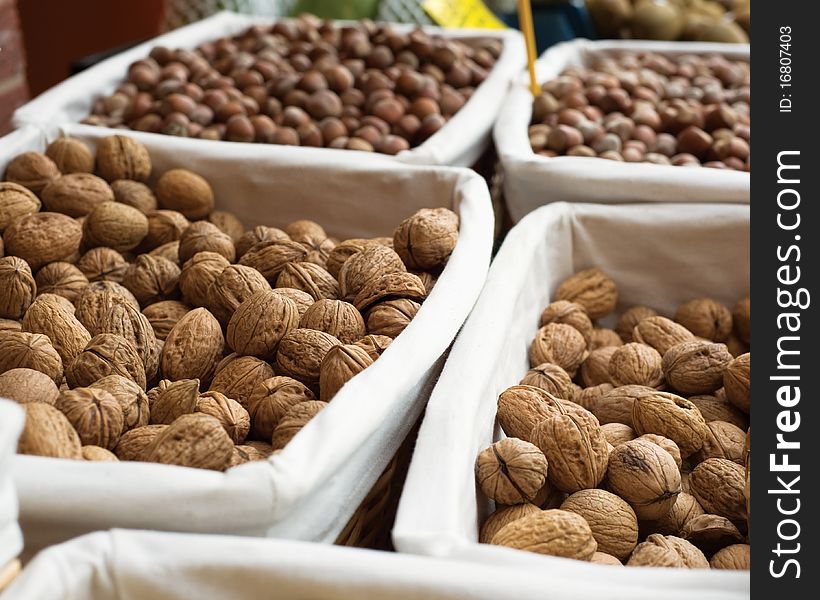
612,521
95,414
47,432
592,289
706,318
260,322
195,440
553,532
511,471
696,367
193,348
646,476
426,240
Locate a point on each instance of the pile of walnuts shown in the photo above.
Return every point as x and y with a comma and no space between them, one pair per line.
626,446
138,323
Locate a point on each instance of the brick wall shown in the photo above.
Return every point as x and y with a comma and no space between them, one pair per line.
13,88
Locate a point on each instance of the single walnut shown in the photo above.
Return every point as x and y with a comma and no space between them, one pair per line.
164,226
511,471
611,404
164,315
30,351
234,419
426,240
42,238
737,557
722,440
67,334
522,407
76,194
717,409
742,318
340,365
169,251
95,453
602,337
32,170
198,274
636,364
710,533
96,301
256,235
271,399
186,192
121,157
122,319
203,236
630,318
504,516
569,313
70,155
270,257
553,532
16,201
134,193
152,279
134,443
193,348
670,416
302,299
686,507
17,287
172,399
612,521
196,440
47,432
106,354
667,551
718,485
103,264
660,333
696,367
27,385
336,317
309,278
595,369
302,230
559,344
237,376
646,476
132,399
374,345
260,322
592,289
116,226
318,249
301,352
63,279
576,450
550,378
366,266
664,442
95,414
736,382
706,318
617,433
234,285
389,287
390,318
341,252
293,421
228,223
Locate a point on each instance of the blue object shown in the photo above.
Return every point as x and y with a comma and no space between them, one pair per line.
557,22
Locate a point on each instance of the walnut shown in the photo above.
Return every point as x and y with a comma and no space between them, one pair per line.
717,409
592,289
61,278
340,365
741,318
736,382
612,521
203,236
42,238
122,319
260,322
172,399
228,223
234,285
47,432
664,442
27,385
569,313
164,226
10,325
670,416
339,255
374,345
602,558
193,348
602,337
559,344
302,299
67,334
576,450
522,407
70,155
646,476
554,532
503,516
595,368
550,378
115,225
132,399
301,352
95,414
198,274
132,444
135,194
617,433
389,287
237,377
630,318
164,315
660,333
710,533
696,367
426,240
390,318
106,354
95,302
667,551
76,194
30,351
302,230
612,404
17,287
511,471
16,201
270,257
256,235
309,278
95,453
589,398
271,399
121,157
723,440
233,417
428,279
103,264
737,557
195,440
336,317
365,266
32,170
686,507
186,192
636,364
718,485
244,454
169,251
152,279
293,420
706,318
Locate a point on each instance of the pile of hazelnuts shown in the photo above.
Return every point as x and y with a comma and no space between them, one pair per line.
303,82
686,110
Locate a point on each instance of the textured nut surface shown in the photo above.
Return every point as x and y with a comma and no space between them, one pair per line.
569,313
152,279
27,385
31,351
164,315
271,399
602,337
76,194
389,287
134,443
426,240
341,252
234,285
237,376
17,287
602,558
256,235
62,279
711,532
123,319
503,516
553,532
42,238
696,367
32,170
301,352
664,442
193,347
686,508
293,420
736,382
558,344
195,440
613,405
186,192
103,264
636,364
16,201
339,365
714,408
612,521
47,432
671,416
259,324
371,263
233,417
309,278
70,155
198,274
47,316
132,399
595,369
106,354
338,318
723,440
522,407
374,345
737,557
630,318
617,433
95,414
96,453
172,399
134,193
202,236
511,471
270,257
646,476
706,318
115,225
660,333
718,485
667,551
227,223
550,378
121,157
164,226
593,289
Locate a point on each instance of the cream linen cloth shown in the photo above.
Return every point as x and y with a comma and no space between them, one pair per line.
11,424
310,490
659,255
531,180
459,143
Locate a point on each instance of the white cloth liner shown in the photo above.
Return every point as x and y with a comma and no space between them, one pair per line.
459,143
310,490
136,565
659,255
532,180
11,424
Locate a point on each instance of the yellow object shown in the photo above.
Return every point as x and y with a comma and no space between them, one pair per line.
462,14
525,24
8,573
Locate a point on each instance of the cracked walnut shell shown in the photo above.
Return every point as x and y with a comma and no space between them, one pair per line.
559,344
426,240
511,471
646,476
553,532
612,521
593,289
95,414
